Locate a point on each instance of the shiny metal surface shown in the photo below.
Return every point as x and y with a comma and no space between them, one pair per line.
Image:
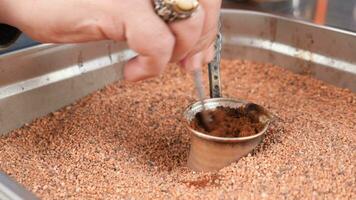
214,69
211,156
210,153
211,104
42,79
174,10
198,80
334,13
325,53
11,190
39,80
47,64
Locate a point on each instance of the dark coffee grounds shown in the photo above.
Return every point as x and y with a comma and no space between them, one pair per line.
229,122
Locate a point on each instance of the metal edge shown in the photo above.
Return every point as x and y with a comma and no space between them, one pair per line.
300,57
76,71
222,139
28,50
15,188
292,20
43,105
11,190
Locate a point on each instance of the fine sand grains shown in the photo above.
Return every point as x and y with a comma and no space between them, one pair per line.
129,140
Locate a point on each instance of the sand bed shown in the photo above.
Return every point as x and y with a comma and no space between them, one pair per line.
128,140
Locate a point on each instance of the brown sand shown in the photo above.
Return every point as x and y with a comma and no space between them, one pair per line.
128,140
227,122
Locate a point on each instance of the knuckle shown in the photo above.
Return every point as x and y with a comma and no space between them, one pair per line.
165,43
161,52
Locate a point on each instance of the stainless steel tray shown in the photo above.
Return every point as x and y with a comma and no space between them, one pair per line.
39,80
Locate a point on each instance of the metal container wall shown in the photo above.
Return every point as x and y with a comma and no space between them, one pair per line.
42,79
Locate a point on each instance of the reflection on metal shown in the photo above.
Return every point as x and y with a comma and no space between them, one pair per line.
211,153
325,53
214,69
335,13
36,81
62,74
43,79
10,190
288,50
296,8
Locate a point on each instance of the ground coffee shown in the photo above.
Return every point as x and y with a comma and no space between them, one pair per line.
228,122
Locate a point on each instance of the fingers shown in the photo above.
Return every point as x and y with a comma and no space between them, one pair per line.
187,33
212,6
152,39
198,60
212,19
210,29
209,54
192,63
158,43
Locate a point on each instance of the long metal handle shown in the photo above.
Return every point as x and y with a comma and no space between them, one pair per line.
204,117
214,69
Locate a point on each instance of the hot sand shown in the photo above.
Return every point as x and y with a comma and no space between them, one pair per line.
129,141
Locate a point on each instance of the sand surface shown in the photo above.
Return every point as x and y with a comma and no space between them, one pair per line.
129,141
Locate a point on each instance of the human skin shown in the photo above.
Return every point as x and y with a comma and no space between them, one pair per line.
188,42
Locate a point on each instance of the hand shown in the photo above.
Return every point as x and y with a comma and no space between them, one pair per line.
157,43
